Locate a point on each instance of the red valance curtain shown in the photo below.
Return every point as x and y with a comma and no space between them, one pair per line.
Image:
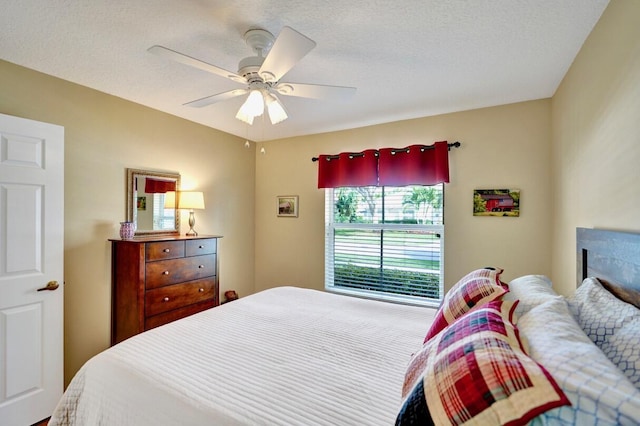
413,165
154,186
348,169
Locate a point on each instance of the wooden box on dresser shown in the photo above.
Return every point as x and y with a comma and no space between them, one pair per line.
161,279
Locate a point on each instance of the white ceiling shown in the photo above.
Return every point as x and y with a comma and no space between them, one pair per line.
407,58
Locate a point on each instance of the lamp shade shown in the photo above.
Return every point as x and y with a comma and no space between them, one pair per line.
170,200
190,200
242,116
254,105
275,108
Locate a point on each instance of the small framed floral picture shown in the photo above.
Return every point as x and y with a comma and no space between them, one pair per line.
287,205
141,203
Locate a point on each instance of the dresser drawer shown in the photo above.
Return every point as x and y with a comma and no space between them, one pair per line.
176,314
167,272
165,250
200,247
178,295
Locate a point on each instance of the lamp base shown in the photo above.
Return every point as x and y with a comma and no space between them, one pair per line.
192,223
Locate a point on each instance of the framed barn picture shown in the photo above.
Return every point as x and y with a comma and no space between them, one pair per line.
496,202
287,205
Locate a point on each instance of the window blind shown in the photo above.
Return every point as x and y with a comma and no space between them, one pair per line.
385,242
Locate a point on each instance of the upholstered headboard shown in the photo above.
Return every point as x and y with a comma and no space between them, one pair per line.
614,258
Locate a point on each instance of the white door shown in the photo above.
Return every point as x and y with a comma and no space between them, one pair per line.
31,255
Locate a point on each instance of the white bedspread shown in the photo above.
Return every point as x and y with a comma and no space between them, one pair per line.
285,356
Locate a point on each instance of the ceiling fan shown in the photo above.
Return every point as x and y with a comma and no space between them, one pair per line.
261,74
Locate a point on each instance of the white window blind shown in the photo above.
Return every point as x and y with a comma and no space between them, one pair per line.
162,218
385,242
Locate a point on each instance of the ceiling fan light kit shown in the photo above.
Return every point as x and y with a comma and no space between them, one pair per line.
243,116
277,113
254,105
261,75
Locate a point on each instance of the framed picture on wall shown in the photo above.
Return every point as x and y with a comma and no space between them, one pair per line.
287,205
496,202
142,203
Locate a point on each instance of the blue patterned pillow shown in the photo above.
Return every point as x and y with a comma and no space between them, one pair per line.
599,313
599,392
623,349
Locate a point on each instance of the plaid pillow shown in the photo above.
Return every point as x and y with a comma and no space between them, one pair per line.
474,289
475,372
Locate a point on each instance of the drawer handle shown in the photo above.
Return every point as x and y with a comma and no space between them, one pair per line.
201,290
200,246
165,273
166,250
166,299
200,266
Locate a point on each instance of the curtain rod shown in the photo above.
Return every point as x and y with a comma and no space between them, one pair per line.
455,144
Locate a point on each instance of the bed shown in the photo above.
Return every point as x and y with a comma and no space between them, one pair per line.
292,356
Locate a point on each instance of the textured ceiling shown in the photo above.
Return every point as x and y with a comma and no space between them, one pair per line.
407,58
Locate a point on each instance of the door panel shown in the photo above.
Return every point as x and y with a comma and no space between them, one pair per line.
22,205
31,255
23,337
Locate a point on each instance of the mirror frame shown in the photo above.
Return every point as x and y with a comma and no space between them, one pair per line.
131,204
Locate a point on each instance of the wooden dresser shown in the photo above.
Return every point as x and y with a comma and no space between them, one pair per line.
159,280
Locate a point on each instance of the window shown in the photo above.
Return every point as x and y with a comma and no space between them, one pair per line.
385,242
162,218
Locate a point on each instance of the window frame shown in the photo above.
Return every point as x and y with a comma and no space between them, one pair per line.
331,226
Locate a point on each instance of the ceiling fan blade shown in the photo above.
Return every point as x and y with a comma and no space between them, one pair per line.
287,50
202,102
315,91
197,63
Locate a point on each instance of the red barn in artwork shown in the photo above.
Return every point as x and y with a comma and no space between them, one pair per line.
498,202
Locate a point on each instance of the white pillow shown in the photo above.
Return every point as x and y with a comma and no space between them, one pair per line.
531,291
623,349
599,392
600,313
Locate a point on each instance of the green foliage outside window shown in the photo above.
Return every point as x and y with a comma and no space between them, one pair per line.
389,281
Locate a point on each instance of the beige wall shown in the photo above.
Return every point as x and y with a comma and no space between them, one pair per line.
596,138
103,136
502,147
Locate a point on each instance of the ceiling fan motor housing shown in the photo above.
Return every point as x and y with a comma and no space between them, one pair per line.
249,67
260,42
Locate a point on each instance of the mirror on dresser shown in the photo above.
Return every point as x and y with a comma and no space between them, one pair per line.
146,191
